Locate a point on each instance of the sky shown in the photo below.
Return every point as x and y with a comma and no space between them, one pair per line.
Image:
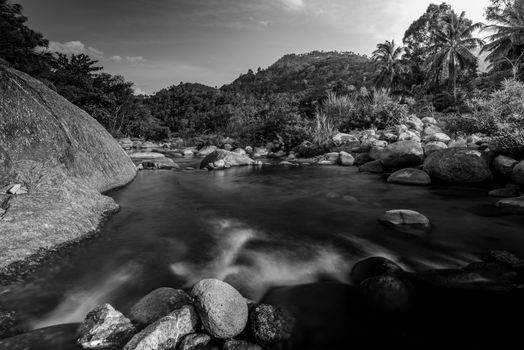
159,43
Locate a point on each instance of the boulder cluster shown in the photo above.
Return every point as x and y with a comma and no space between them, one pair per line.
212,315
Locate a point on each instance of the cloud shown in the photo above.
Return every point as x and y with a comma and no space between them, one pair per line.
135,59
75,47
116,58
260,22
294,4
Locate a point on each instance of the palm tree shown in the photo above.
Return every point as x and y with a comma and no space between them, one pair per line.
451,50
507,42
391,67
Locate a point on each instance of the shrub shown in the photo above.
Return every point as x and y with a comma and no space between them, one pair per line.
338,108
323,130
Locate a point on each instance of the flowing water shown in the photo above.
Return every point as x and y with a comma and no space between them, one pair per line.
256,228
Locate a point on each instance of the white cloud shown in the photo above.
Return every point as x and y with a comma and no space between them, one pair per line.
135,59
75,47
116,58
293,4
261,22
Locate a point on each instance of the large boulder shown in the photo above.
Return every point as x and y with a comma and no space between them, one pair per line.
105,328
157,304
458,166
517,175
271,326
410,176
225,159
402,154
167,332
206,150
222,309
194,341
66,159
504,165
346,159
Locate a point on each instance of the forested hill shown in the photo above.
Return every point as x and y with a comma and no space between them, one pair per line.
307,72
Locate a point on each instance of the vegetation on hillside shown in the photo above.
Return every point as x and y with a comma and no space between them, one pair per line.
306,97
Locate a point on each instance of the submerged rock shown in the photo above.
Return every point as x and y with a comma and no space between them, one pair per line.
167,332
388,293
221,307
194,341
515,204
157,304
271,325
225,159
458,166
410,176
509,191
105,328
233,344
405,217
504,257
373,267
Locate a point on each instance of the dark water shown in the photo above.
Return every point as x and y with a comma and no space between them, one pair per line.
256,227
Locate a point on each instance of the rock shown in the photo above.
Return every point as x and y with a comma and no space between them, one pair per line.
331,157
460,143
222,309
402,154
438,137
346,159
260,152
227,147
493,272
504,165
376,152
373,267
405,217
458,166
277,154
517,175
362,158
503,257
271,325
342,138
167,332
429,120
432,129
433,146
285,163
232,344
157,304
409,136
515,204
206,150
388,292
389,137
104,327
146,155
14,189
188,152
240,151
410,176
374,166
125,143
249,149
160,163
229,159
7,323
194,341
414,123
506,192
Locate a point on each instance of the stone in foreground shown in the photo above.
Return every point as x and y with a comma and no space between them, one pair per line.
194,341
405,217
167,332
157,304
233,344
410,176
271,325
222,309
105,328
388,292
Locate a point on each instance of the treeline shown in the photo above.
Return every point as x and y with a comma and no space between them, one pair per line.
436,69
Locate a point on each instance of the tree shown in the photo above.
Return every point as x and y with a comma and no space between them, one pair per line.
391,67
19,44
451,51
506,44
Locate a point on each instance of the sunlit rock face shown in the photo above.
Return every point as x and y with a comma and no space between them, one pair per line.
63,159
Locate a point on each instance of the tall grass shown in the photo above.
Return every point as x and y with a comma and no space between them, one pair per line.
338,108
323,130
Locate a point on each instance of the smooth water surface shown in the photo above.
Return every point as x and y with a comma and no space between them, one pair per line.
256,227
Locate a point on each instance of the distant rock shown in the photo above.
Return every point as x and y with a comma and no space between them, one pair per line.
220,159
194,341
504,165
147,155
168,332
429,120
222,309
260,152
410,176
346,159
433,146
157,304
516,204
104,327
125,143
271,325
374,166
432,129
414,123
517,175
342,138
438,137
158,164
405,217
373,267
409,136
206,150
240,151
458,166
402,154
511,190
